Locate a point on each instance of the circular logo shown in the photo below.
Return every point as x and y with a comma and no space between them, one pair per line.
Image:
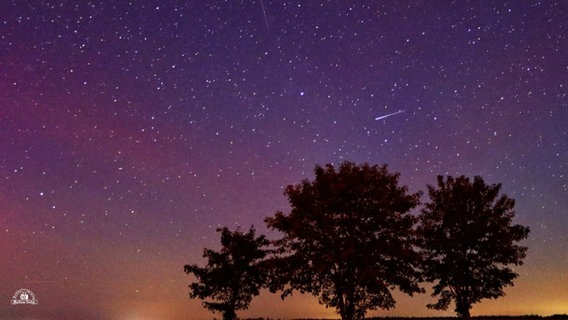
24,296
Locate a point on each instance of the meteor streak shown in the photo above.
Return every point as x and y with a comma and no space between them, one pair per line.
389,115
264,14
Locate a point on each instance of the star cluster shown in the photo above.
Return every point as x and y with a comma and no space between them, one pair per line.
132,130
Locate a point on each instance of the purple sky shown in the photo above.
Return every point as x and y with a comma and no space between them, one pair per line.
130,132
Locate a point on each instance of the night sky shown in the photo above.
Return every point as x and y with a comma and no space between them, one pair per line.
131,131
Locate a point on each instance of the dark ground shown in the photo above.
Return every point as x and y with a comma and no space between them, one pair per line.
524,317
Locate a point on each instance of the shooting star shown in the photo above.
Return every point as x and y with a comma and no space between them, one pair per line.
389,115
264,13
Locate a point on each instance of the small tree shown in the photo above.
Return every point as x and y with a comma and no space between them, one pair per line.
232,276
348,239
469,240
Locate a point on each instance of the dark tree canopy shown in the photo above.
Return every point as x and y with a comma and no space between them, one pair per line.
348,239
232,276
469,240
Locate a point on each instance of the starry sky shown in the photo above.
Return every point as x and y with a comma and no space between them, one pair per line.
131,130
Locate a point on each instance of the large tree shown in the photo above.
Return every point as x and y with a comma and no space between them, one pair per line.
469,241
349,239
233,275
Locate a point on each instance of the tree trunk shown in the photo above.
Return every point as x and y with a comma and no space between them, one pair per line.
229,314
462,307
350,305
346,305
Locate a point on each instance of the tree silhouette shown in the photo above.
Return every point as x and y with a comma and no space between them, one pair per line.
232,276
469,240
348,239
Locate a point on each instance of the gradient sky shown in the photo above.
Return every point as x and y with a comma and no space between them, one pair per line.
131,130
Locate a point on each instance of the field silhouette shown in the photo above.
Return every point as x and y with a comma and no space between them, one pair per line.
523,317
